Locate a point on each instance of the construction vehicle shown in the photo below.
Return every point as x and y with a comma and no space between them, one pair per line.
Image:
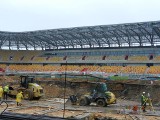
30,89
99,95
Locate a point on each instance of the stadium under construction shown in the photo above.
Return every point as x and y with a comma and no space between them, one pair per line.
67,61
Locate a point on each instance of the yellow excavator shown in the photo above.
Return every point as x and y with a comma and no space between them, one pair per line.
29,88
99,95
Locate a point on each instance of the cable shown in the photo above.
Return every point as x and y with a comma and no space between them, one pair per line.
5,108
65,90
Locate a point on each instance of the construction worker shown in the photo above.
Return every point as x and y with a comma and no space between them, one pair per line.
143,101
150,102
1,93
5,91
19,98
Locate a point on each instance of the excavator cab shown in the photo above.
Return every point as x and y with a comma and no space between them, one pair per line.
101,87
25,80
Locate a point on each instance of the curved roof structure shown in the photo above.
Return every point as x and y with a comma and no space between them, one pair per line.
119,35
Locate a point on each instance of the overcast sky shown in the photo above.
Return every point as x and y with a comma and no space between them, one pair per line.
30,15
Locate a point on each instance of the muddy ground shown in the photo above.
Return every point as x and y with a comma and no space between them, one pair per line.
127,92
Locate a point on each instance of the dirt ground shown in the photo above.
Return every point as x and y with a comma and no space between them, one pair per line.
54,107
54,90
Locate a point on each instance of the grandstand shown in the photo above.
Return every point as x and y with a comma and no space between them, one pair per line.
122,49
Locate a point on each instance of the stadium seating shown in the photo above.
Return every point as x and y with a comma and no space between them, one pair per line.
34,68
3,66
138,58
157,58
55,59
110,69
93,58
74,58
134,69
37,58
84,68
115,57
17,56
154,70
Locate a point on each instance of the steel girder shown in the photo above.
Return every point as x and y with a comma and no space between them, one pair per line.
120,35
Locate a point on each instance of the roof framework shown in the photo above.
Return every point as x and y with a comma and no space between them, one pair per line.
119,35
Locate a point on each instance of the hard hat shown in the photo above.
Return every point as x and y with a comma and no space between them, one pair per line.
143,92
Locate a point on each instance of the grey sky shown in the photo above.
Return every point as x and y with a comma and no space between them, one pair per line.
29,15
